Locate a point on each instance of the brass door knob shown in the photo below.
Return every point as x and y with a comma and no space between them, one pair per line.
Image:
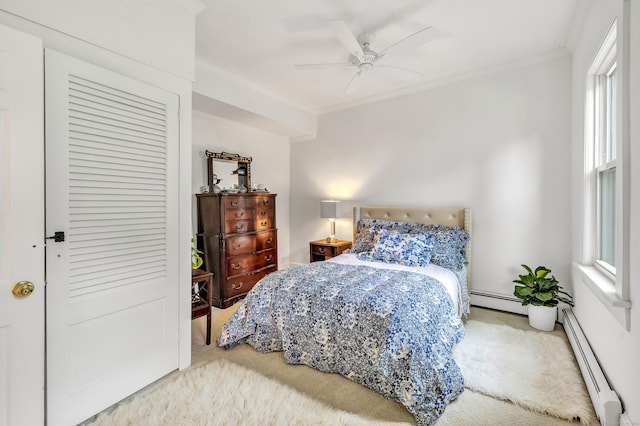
22,289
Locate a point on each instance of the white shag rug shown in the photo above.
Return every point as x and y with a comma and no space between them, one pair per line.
534,370
224,393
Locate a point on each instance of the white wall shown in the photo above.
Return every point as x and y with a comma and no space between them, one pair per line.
617,350
270,165
498,144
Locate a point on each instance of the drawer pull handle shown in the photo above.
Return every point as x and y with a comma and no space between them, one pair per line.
233,203
237,286
236,246
236,266
267,258
240,214
265,203
264,223
239,226
263,213
321,250
269,240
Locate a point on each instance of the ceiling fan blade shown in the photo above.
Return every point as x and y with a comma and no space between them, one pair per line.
412,41
346,36
324,66
353,85
401,73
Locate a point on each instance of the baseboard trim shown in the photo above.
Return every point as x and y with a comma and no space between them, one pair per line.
497,301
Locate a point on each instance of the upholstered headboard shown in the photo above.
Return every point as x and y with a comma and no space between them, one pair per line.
450,216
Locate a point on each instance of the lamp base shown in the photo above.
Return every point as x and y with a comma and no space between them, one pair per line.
332,231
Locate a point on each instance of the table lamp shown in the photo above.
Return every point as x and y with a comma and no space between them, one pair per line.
329,210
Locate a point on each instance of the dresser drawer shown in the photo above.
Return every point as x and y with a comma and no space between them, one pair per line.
242,264
250,262
262,202
240,245
265,212
264,224
239,214
265,258
239,226
265,240
239,285
324,250
238,201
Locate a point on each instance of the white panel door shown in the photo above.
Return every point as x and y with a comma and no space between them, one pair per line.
21,229
112,284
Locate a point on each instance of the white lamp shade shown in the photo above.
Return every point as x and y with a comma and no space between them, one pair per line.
329,209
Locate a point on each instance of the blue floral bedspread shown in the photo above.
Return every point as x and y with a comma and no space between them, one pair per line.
391,331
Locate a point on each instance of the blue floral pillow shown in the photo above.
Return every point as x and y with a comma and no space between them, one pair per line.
362,242
410,249
367,229
449,248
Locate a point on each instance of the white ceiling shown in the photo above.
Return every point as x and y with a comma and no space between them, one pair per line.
261,40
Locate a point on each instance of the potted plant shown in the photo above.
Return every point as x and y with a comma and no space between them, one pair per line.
196,263
196,259
541,293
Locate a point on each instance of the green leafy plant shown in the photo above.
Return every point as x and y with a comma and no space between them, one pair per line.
537,288
196,259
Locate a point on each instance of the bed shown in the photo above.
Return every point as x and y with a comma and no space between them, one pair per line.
386,314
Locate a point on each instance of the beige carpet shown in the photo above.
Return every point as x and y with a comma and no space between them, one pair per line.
471,408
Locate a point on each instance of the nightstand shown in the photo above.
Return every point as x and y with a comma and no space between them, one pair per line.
322,250
201,285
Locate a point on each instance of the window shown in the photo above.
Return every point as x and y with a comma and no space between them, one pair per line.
606,218
605,169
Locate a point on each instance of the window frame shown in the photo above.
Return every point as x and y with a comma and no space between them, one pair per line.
610,283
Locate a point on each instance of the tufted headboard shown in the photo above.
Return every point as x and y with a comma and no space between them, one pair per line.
450,216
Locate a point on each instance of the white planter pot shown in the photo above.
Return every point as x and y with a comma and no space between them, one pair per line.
543,317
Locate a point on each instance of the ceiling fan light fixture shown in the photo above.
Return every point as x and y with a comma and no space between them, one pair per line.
365,66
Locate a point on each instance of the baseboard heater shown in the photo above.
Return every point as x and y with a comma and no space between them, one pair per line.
500,302
605,401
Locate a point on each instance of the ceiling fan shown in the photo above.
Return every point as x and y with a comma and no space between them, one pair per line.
364,59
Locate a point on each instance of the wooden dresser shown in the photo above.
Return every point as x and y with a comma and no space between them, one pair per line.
238,235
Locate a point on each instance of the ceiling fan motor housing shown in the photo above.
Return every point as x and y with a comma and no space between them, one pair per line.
366,39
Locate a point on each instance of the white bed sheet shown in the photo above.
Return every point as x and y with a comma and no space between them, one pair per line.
447,277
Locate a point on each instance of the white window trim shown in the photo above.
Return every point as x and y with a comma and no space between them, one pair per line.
612,290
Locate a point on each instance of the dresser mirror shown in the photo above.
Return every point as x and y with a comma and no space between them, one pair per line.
227,164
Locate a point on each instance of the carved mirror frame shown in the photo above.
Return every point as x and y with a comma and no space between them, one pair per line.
242,163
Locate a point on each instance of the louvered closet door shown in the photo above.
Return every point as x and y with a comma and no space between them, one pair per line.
112,284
